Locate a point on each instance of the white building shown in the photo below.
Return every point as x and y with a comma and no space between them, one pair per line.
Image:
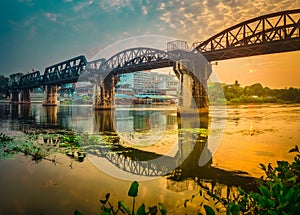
147,82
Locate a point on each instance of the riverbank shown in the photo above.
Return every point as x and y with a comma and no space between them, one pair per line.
258,100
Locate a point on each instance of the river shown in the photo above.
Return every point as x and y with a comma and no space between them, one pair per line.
169,157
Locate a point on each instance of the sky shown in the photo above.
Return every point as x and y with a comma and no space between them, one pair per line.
40,33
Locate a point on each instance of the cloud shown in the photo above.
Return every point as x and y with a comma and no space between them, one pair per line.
14,24
162,6
167,18
51,16
144,9
26,24
32,30
29,21
82,5
199,20
107,5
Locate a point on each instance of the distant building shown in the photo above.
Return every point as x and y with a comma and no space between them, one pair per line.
147,82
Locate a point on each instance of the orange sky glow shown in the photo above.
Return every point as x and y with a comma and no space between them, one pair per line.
274,70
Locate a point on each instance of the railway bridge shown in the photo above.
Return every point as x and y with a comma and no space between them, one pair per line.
267,34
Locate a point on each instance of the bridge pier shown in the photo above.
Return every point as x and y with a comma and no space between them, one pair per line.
25,96
14,96
51,95
20,96
104,94
193,97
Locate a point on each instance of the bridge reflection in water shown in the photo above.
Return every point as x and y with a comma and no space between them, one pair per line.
189,141
179,162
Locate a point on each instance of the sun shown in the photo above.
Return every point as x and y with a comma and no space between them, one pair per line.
250,71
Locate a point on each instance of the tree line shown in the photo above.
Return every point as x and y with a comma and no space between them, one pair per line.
6,82
256,93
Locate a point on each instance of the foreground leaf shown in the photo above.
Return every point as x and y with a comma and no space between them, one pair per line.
296,149
124,207
162,209
152,210
78,213
141,210
133,190
209,210
263,167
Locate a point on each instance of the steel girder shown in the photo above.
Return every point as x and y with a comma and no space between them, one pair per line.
31,80
91,70
95,64
136,59
272,33
65,72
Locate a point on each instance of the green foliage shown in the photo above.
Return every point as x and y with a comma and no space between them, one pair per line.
4,138
40,148
279,192
77,212
162,209
256,93
108,209
209,210
9,147
133,190
72,140
3,84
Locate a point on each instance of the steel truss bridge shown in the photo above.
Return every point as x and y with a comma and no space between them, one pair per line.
272,33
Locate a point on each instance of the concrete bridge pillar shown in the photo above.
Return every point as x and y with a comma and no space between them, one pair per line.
14,96
104,94
51,95
25,96
193,97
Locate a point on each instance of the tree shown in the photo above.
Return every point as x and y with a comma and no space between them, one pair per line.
232,91
15,78
257,90
291,94
3,84
215,92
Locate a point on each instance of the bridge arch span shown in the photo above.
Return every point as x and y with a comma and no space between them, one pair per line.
137,59
271,33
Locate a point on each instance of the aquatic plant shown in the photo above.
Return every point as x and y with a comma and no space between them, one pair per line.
40,146
108,209
4,138
279,191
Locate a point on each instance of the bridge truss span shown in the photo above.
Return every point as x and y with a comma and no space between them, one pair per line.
30,80
65,72
272,33
96,64
136,59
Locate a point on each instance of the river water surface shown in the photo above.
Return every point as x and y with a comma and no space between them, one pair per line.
153,147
